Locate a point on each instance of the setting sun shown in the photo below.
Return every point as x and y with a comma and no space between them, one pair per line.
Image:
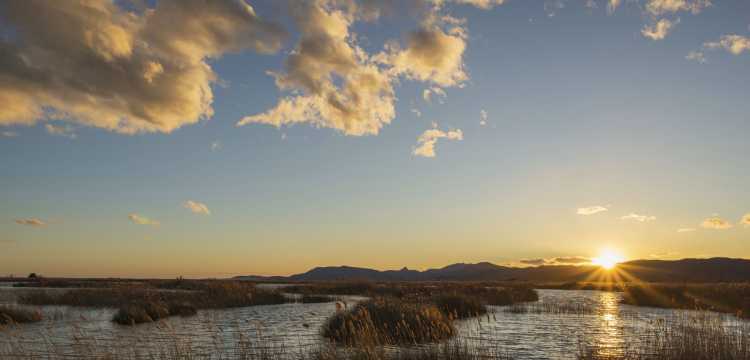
607,259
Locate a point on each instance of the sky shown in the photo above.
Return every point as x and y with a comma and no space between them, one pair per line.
183,138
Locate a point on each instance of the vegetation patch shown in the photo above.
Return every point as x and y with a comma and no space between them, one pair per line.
726,298
388,321
18,315
458,306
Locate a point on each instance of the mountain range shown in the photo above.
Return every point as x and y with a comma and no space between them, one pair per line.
685,270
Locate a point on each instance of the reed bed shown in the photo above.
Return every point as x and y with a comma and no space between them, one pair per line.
458,306
726,298
18,315
388,321
695,337
140,305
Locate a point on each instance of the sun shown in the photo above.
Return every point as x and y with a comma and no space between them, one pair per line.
607,259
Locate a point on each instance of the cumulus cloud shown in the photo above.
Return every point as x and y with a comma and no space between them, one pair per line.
482,117
716,223
142,220
60,130
332,82
572,260
745,220
684,230
96,64
31,222
363,100
591,210
196,207
426,142
660,7
735,44
660,29
639,218
535,262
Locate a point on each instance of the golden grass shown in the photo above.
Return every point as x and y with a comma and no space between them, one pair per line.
388,321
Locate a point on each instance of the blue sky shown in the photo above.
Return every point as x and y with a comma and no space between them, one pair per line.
582,110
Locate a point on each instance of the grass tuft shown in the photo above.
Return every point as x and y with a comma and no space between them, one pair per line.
388,321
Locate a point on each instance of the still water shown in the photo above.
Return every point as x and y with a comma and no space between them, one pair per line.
601,322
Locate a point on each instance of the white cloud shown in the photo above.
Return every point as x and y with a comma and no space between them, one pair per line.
35,222
196,207
735,44
745,220
416,112
716,223
482,117
639,218
142,220
426,142
334,83
660,7
216,145
97,64
659,30
696,56
482,4
428,94
591,210
684,230
61,130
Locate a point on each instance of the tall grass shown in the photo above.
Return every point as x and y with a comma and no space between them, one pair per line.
145,304
727,298
18,315
388,321
696,337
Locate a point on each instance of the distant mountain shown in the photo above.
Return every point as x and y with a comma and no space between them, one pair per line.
685,270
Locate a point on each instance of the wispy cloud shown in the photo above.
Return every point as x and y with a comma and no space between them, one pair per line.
684,230
196,207
434,92
60,130
660,29
660,7
482,117
35,222
216,145
535,262
745,220
697,56
639,218
426,142
572,260
9,134
735,44
591,210
716,223
142,220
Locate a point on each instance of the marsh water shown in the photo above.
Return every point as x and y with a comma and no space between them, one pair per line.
69,332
